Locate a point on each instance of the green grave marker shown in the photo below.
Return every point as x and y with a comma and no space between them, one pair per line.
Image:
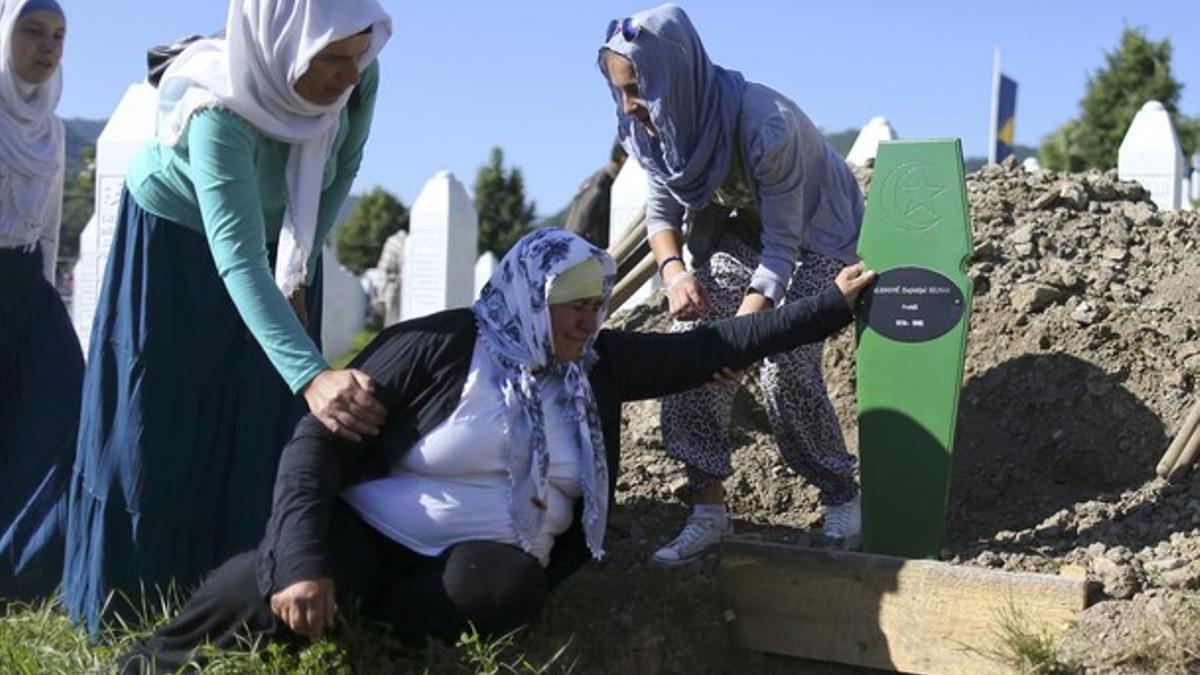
912,337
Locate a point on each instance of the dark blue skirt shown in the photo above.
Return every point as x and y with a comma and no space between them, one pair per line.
183,422
41,371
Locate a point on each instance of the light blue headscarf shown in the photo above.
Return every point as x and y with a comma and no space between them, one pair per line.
41,6
693,104
514,323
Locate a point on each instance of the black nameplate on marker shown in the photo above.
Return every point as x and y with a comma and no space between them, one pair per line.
912,304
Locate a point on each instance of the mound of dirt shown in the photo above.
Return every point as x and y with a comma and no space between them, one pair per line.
1082,358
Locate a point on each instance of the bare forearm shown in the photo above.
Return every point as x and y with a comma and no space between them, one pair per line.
666,244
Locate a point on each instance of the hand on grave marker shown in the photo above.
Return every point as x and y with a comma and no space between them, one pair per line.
852,280
343,401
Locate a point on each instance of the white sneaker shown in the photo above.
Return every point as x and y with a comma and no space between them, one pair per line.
843,523
700,534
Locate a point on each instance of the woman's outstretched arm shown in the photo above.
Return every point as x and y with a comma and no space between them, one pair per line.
649,365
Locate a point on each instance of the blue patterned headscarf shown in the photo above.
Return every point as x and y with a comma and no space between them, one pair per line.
693,104
514,323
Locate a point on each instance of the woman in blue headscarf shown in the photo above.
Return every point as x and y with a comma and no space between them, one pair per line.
41,366
772,214
492,479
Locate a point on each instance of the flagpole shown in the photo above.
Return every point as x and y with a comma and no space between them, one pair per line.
993,130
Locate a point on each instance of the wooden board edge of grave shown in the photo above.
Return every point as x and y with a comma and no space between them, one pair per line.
885,612
916,234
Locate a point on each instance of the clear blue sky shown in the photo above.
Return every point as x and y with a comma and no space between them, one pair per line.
462,76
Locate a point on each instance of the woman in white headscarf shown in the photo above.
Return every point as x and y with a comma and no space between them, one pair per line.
773,213
199,347
41,366
492,479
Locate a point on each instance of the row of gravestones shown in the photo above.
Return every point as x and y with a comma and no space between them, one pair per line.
1149,153
434,265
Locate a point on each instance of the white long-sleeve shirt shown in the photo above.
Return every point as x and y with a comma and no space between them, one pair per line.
453,485
19,232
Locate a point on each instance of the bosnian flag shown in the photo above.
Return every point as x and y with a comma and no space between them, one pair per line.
1006,114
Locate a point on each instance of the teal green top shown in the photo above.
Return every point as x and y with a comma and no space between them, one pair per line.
226,179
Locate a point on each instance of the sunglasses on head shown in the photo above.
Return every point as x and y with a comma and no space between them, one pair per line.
628,28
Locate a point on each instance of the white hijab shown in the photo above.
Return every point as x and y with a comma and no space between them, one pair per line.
31,137
252,71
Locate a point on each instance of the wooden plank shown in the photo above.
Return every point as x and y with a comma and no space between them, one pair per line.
915,616
629,284
622,248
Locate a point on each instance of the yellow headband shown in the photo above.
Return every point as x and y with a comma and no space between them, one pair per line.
584,279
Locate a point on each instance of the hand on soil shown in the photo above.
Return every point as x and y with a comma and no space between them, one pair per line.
307,607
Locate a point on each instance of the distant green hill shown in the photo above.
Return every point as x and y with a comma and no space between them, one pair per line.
1020,151
558,219
81,133
842,141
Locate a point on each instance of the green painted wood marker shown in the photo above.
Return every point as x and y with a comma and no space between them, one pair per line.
912,337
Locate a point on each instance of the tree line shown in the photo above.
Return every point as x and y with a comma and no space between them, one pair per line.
499,200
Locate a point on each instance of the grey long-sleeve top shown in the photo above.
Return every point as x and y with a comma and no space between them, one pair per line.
806,195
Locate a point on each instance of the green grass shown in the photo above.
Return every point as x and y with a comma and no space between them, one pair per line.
39,639
361,340
615,616
606,619
1027,649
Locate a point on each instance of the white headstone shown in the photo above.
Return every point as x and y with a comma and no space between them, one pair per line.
439,258
1150,154
129,128
629,193
484,267
86,276
372,280
391,268
1196,179
1031,164
343,306
867,144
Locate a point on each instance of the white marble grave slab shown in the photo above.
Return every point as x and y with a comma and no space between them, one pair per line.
439,259
343,306
865,146
1196,179
1150,154
391,269
484,267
